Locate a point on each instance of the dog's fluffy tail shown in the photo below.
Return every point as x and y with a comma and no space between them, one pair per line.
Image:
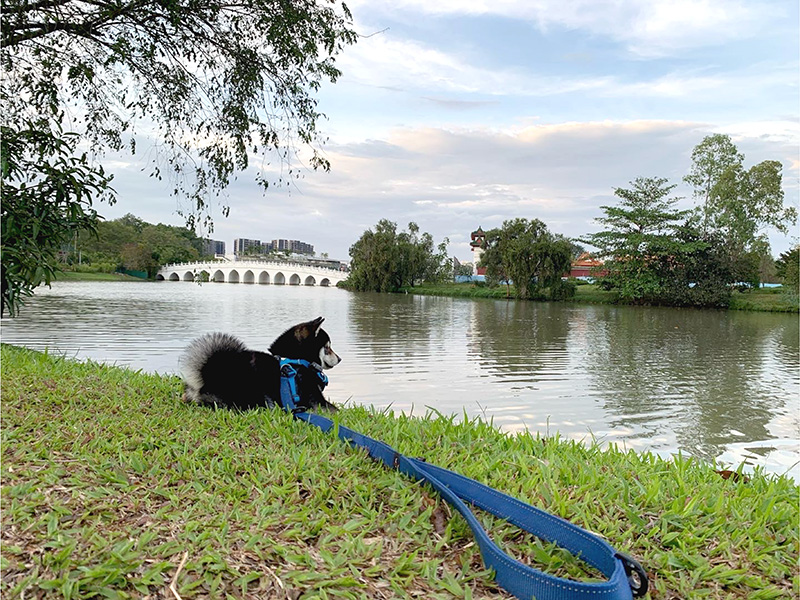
196,356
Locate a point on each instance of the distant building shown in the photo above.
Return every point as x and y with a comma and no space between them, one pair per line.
292,246
586,266
213,247
477,244
245,246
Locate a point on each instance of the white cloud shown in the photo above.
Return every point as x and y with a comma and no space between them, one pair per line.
454,180
404,65
648,28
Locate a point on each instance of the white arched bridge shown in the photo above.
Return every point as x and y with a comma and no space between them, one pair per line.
252,271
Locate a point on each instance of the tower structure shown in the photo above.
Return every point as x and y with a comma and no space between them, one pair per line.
477,244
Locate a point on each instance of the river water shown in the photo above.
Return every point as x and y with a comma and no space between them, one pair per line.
712,384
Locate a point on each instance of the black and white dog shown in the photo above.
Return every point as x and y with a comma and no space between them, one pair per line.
218,369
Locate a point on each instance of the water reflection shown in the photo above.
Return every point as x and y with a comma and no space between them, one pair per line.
705,382
706,377
521,344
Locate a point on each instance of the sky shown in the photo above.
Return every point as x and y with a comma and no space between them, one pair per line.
456,114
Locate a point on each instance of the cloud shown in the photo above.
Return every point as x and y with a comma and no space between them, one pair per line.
646,28
452,81
449,181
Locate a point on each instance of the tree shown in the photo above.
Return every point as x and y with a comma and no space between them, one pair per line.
651,255
161,243
138,257
207,84
711,158
47,197
385,260
787,267
737,204
526,253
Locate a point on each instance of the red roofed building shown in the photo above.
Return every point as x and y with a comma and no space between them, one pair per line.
585,266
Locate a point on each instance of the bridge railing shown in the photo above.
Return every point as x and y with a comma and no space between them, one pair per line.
243,263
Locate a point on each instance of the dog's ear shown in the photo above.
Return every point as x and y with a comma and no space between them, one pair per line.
306,330
316,324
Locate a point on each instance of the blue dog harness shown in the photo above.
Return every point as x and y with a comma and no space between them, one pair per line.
626,577
290,397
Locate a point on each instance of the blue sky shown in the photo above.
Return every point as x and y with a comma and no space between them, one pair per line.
455,114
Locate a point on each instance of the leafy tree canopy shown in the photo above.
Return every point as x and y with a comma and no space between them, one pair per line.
524,252
209,84
652,256
130,243
213,82
47,195
734,202
384,260
787,267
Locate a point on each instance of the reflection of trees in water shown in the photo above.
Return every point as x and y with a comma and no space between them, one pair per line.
519,340
398,328
702,374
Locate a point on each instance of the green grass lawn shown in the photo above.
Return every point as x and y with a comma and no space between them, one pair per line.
75,276
112,488
765,300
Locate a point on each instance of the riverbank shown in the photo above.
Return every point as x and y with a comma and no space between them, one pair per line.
763,300
109,482
78,276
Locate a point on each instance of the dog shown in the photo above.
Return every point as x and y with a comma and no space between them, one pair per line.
219,370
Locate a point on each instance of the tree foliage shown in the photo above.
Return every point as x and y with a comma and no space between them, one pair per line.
651,255
737,204
524,252
385,260
208,85
47,198
131,243
787,267
213,82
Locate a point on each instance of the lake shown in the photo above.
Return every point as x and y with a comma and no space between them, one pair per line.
713,384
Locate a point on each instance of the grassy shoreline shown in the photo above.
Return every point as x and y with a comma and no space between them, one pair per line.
78,276
109,482
764,300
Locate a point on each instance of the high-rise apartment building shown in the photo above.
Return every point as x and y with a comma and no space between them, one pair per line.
213,247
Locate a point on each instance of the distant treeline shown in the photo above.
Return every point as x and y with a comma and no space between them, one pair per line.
132,244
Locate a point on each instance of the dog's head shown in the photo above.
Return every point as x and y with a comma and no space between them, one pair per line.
306,341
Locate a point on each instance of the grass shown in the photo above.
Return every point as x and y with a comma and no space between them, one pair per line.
763,300
590,294
76,276
112,488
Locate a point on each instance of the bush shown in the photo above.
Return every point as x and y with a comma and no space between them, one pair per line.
98,267
563,290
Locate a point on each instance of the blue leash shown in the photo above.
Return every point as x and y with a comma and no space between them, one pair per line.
626,577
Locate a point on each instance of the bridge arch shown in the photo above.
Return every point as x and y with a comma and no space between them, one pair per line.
253,271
